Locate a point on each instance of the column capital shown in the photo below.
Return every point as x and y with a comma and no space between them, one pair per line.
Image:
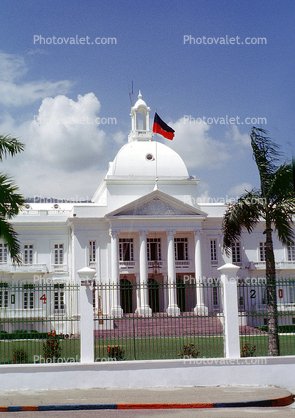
114,233
143,232
171,232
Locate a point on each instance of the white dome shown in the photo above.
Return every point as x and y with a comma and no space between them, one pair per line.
138,159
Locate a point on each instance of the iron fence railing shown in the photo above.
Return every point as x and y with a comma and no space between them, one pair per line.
253,294
39,323
156,320
158,334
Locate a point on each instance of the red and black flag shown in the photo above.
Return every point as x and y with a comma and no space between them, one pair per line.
160,127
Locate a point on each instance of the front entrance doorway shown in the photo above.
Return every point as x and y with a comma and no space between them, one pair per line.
153,287
126,295
180,292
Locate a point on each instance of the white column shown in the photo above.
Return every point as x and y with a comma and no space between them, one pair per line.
144,308
116,310
86,275
230,310
173,309
200,308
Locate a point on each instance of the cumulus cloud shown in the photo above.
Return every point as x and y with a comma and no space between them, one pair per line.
40,181
66,154
15,93
120,137
196,147
240,189
67,133
237,137
11,67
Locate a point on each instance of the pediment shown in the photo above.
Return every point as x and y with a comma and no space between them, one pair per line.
157,204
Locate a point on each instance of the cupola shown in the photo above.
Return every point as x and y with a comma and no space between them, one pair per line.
140,121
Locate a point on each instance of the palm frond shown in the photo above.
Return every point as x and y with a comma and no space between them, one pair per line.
10,200
245,213
265,154
282,218
281,184
10,146
10,237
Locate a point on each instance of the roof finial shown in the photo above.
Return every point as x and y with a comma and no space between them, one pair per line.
139,95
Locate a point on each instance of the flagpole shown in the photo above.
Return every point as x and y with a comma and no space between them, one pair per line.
156,159
163,129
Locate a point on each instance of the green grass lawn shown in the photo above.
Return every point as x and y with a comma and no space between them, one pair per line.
142,348
33,349
287,344
160,348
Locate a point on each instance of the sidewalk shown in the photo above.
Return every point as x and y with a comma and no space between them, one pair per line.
148,398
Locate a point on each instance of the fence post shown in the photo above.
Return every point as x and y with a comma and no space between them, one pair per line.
86,315
230,310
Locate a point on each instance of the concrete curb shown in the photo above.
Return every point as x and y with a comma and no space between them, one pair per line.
283,401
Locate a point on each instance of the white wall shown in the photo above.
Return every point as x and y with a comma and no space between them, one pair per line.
267,371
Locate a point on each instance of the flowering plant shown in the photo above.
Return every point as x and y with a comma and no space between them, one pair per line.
19,356
189,351
248,351
116,352
52,348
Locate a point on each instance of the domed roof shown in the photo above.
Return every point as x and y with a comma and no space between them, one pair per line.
138,159
140,102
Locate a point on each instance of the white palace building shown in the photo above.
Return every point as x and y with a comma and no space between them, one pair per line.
142,227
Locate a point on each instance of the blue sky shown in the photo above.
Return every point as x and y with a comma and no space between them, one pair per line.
44,87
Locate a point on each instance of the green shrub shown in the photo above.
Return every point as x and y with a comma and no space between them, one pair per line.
52,348
248,351
116,352
189,351
19,356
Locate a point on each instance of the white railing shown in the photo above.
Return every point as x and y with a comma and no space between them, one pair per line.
27,268
155,263
59,268
286,307
128,265
285,264
260,265
183,264
23,313
32,212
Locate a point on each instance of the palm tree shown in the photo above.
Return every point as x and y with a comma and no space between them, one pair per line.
10,200
275,204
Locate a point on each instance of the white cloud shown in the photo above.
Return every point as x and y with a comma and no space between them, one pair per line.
13,93
240,189
66,154
11,67
120,137
196,147
66,133
240,139
39,180
38,51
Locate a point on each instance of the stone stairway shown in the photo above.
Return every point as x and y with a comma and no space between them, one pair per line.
162,325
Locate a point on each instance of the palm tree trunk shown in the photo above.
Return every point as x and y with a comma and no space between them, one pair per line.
271,291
